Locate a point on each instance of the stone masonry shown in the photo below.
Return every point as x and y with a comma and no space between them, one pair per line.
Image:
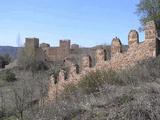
61,54
86,62
51,53
136,52
116,46
133,38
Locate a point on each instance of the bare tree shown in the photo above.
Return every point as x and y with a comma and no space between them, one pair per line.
23,96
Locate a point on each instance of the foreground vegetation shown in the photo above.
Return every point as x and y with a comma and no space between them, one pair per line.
130,94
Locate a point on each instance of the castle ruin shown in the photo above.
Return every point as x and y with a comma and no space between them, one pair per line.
91,59
63,53
149,48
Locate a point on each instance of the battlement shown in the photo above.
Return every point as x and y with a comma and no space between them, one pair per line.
116,46
51,53
136,52
133,38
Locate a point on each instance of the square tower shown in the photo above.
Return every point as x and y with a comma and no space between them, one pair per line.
64,48
65,44
32,43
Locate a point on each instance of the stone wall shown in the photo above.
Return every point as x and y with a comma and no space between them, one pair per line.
86,62
51,53
119,60
74,46
57,53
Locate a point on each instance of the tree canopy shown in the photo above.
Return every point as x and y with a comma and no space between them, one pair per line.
148,10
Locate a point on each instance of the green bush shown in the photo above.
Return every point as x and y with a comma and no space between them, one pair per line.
6,59
7,76
95,80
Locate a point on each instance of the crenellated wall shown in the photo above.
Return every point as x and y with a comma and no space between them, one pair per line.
136,52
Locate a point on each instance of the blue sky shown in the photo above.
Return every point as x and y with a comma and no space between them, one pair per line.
85,22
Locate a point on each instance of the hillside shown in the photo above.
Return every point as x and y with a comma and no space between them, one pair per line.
12,51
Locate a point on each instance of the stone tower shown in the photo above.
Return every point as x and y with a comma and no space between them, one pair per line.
32,43
31,47
64,48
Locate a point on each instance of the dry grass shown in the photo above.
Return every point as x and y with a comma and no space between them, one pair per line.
131,94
